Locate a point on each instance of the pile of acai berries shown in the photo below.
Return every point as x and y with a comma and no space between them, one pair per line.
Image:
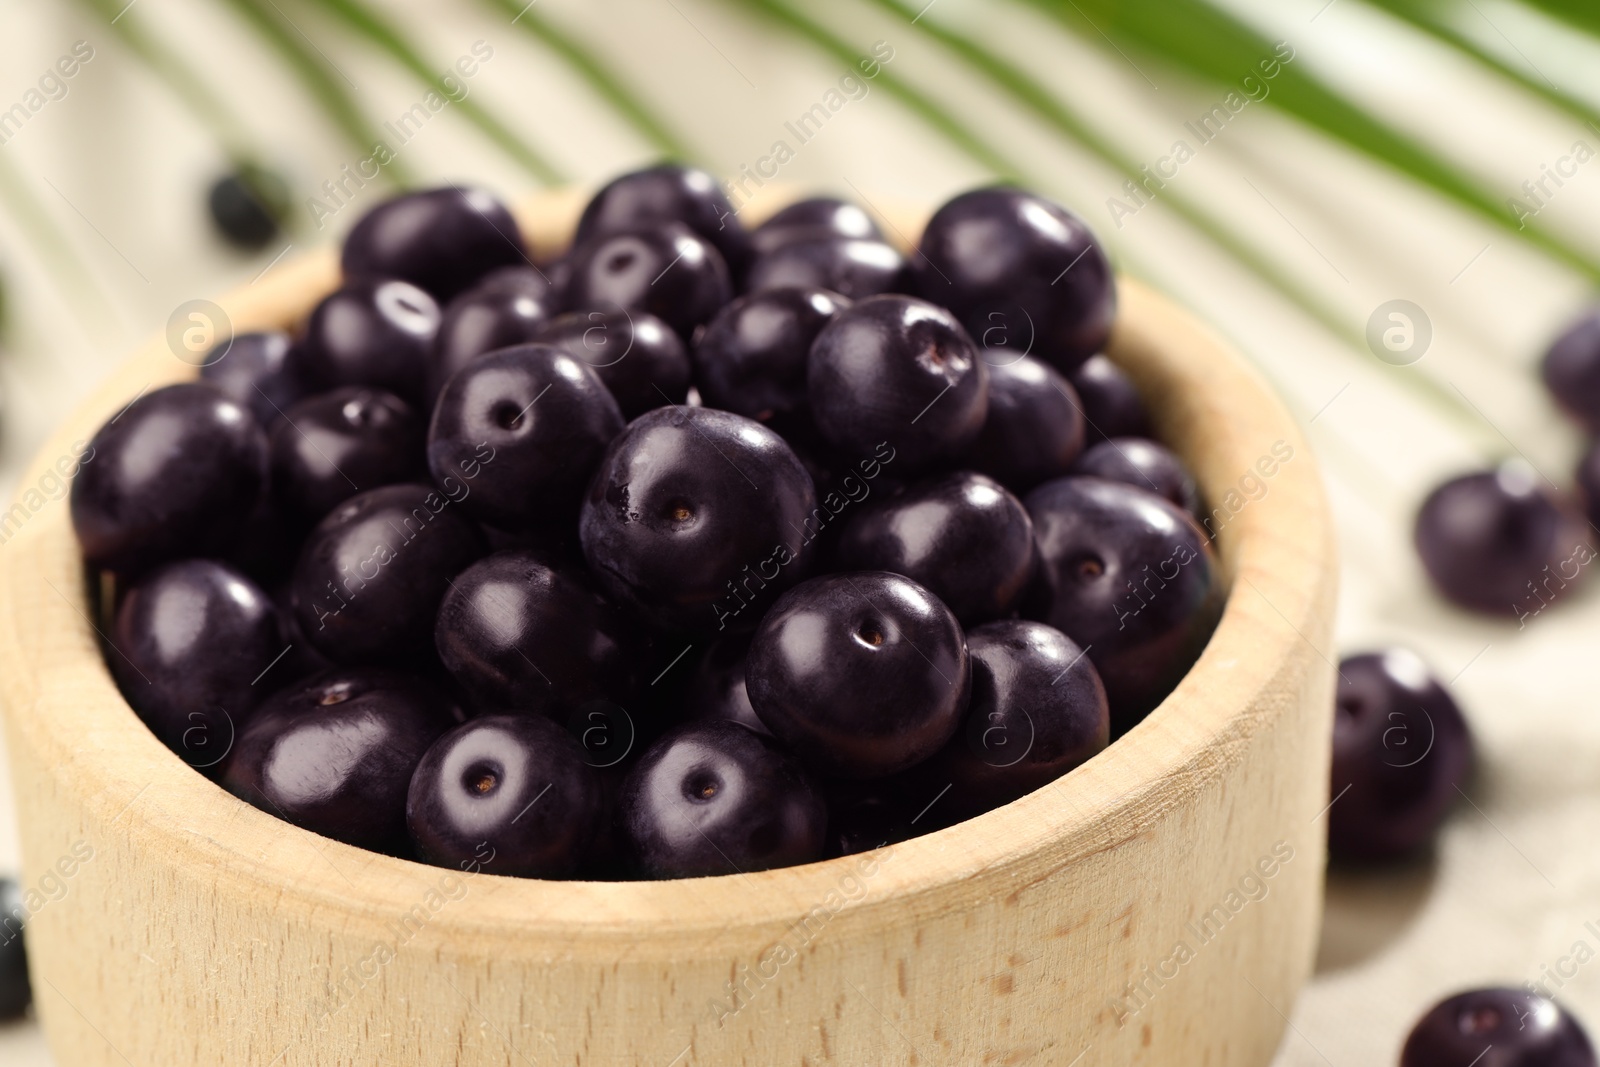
696,550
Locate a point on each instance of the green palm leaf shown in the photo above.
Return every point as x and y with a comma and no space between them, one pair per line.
312,70
931,113
598,75
384,35
180,77
1209,43
53,246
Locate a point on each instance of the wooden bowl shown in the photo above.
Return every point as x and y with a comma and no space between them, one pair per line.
1158,905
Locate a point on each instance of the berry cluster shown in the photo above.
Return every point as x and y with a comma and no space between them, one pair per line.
696,550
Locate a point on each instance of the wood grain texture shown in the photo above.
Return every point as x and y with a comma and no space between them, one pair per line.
1124,913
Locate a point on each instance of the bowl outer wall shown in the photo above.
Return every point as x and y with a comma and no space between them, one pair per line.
204,931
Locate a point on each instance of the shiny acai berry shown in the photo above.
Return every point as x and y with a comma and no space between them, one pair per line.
716,689
189,642
1571,370
1143,463
897,369
860,674
371,575
668,271
1497,1028
1111,404
1037,711
697,519
667,193
716,798
1501,543
640,359
16,993
511,793
175,474
822,216
377,332
337,444
962,536
521,430
249,205
442,240
258,370
508,308
874,814
1132,579
334,754
751,359
1035,426
1020,272
1401,753
519,636
852,267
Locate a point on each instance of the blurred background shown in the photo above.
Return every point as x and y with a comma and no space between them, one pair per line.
1440,154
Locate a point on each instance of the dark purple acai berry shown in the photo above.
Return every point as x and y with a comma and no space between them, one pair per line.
248,206
1571,370
1020,272
1401,752
716,688
640,359
1034,429
1132,579
258,370
442,240
521,430
854,268
668,193
859,674
509,307
863,816
376,332
962,536
667,271
15,991
697,519
189,641
897,369
1037,711
1499,542
337,444
1110,402
371,575
175,474
1143,463
334,754
807,220
510,793
1497,1028
751,359
519,636
716,798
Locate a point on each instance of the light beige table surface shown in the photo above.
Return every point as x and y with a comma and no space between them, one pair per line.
1516,876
